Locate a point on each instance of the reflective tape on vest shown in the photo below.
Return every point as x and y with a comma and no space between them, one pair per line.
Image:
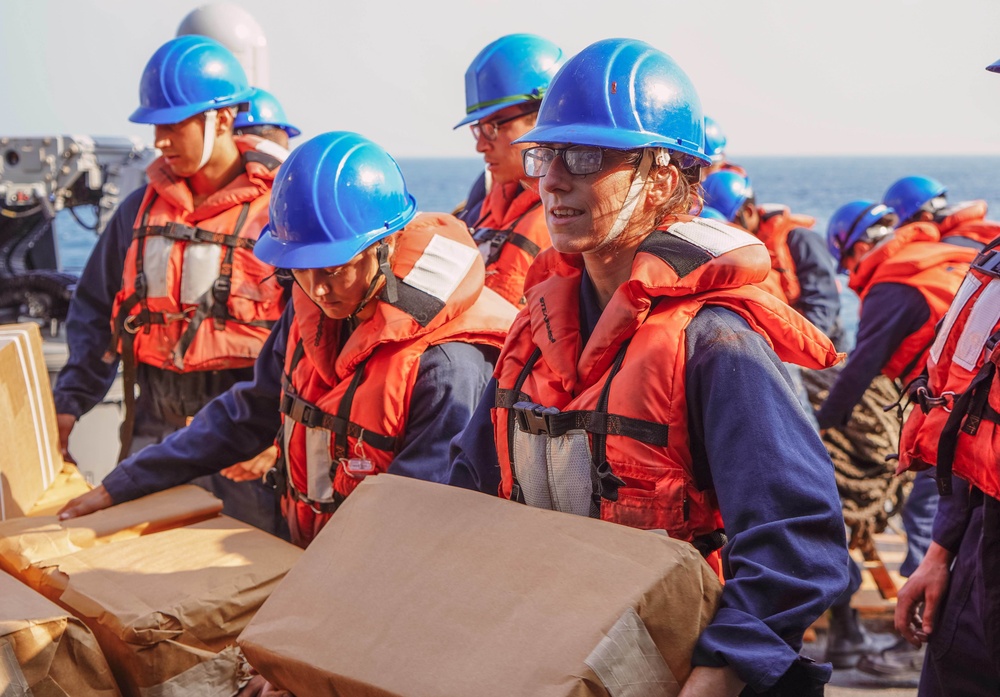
970,284
442,266
319,484
201,267
981,324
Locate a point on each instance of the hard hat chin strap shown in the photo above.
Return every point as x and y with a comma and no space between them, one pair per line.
384,271
209,142
631,199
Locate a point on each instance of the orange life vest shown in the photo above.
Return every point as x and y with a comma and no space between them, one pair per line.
914,256
510,232
626,387
968,219
775,224
193,295
345,405
956,424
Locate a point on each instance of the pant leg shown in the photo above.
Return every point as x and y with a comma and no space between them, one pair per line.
918,519
958,663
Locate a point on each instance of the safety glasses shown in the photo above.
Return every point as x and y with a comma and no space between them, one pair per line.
491,129
578,159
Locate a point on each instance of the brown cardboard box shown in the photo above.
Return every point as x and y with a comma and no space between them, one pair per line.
67,486
421,590
28,431
46,652
166,608
27,543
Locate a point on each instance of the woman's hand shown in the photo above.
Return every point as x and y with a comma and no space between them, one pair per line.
712,682
254,468
94,500
925,589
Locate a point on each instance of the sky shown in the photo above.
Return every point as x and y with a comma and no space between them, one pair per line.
782,77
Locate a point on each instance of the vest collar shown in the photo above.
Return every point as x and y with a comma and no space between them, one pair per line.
863,275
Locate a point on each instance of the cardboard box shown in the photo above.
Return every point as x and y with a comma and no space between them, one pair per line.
45,651
28,429
166,608
423,590
67,486
26,544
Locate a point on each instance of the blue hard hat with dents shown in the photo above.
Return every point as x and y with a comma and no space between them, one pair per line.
715,140
907,195
851,222
336,195
189,75
265,110
727,192
514,69
622,94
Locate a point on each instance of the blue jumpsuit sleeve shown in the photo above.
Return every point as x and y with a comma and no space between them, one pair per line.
449,384
86,378
953,515
233,427
474,463
819,301
472,207
786,560
889,314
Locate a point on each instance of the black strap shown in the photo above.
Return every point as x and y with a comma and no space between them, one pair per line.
502,237
606,482
594,422
188,233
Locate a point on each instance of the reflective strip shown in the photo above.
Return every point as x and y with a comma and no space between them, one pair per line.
713,236
201,268
155,261
269,147
628,664
980,325
970,284
441,267
318,461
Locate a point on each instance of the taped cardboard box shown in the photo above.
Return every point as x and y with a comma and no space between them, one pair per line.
28,430
46,652
424,590
26,544
166,608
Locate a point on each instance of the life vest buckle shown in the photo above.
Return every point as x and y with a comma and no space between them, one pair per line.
988,263
132,324
946,400
533,418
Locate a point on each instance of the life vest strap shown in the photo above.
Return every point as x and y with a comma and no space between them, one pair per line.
187,233
309,415
595,422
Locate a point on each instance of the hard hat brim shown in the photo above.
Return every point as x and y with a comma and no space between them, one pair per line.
318,255
608,137
176,114
994,67
480,114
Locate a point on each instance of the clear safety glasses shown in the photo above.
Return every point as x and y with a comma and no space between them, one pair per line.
579,159
491,129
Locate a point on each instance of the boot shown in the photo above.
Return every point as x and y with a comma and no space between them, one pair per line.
899,662
847,640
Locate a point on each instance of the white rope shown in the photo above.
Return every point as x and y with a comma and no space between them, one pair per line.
631,200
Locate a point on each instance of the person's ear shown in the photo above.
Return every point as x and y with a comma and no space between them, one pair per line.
663,181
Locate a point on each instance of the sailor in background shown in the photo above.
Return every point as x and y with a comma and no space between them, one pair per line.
378,361
503,87
172,286
640,381
922,199
715,149
265,117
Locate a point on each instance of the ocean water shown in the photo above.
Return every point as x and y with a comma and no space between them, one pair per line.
814,186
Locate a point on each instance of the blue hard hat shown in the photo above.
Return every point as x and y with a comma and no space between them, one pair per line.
514,69
186,76
622,94
712,214
336,195
994,67
727,192
850,222
908,194
715,140
265,110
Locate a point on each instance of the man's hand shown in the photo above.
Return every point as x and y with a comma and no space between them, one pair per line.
65,422
255,468
94,500
712,682
924,589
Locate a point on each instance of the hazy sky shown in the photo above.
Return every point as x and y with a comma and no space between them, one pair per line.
781,76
